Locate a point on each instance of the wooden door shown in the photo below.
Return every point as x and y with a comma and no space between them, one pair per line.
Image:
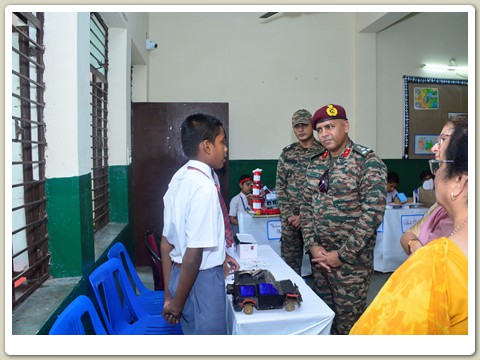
156,155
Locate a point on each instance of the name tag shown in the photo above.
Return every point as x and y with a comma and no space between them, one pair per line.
313,174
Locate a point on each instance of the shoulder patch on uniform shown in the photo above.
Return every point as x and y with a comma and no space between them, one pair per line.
291,146
362,150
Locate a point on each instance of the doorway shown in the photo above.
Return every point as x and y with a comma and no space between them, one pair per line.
156,156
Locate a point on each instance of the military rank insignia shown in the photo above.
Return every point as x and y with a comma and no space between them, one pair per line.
331,110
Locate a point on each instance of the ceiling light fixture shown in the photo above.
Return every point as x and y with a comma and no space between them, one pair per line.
451,66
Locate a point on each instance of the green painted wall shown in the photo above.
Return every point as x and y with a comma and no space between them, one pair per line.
70,228
240,167
408,171
119,179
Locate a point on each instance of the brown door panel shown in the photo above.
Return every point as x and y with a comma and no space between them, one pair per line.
156,155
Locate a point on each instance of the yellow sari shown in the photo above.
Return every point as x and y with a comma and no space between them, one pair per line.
427,294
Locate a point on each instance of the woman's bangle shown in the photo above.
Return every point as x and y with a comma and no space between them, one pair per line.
410,244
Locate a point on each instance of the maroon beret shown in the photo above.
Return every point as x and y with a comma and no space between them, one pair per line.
328,112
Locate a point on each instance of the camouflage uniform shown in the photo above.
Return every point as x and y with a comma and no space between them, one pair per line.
346,219
290,183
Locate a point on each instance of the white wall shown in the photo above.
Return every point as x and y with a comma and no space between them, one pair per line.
67,95
266,70
67,99
127,32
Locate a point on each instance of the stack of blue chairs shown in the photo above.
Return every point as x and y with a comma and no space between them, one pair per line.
78,318
126,306
119,306
151,301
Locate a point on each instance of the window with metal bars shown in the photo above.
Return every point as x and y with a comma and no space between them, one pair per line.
30,255
99,97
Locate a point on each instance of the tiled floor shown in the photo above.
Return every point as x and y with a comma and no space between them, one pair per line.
376,283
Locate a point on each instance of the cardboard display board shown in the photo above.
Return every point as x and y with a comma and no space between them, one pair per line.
428,104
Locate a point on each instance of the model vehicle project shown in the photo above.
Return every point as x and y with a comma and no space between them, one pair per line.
258,289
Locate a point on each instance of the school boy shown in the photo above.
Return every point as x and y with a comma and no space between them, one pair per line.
193,241
240,201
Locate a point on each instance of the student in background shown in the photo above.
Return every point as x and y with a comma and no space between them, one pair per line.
240,201
426,192
425,175
392,183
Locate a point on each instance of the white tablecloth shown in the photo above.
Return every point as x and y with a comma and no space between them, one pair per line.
388,254
311,318
267,231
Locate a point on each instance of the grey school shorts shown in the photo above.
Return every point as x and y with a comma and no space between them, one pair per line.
204,312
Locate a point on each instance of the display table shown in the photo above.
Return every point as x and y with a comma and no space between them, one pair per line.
267,230
311,318
388,254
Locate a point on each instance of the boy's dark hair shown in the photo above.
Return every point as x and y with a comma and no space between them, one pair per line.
393,177
197,128
424,174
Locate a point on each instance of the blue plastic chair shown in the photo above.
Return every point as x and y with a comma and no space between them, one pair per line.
151,301
119,306
78,318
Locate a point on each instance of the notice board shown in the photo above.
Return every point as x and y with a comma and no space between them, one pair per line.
428,104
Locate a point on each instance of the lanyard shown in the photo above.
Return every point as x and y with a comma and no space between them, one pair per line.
243,203
194,168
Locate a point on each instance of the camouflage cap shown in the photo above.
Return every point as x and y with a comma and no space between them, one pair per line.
328,112
301,116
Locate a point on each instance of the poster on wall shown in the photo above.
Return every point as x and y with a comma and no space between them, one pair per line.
426,98
421,95
424,144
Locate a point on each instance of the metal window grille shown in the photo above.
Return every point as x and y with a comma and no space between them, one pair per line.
99,97
30,255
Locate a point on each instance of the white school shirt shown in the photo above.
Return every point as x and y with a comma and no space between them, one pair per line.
391,196
239,202
193,216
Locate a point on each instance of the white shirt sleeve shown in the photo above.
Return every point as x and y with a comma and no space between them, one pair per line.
234,205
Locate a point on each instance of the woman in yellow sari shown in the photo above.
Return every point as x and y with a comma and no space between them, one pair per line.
428,293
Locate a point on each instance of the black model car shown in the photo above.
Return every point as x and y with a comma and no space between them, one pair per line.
259,289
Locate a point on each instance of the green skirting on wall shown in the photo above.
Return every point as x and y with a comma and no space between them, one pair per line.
119,179
70,224
70,227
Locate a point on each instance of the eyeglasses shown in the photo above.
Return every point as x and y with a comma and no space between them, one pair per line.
435,164
441,138
323,184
